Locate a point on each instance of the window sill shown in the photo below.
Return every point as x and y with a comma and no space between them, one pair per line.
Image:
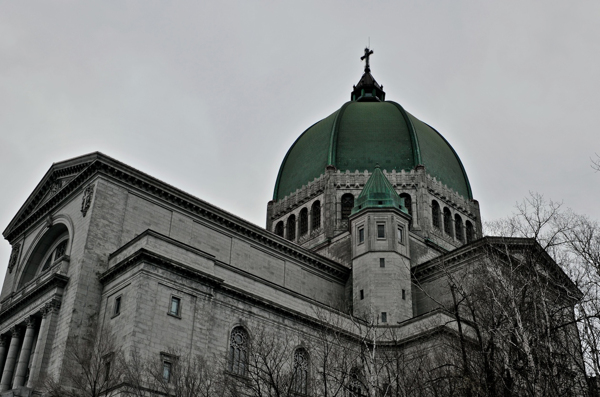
173,315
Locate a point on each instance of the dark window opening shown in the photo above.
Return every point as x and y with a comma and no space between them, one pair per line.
362,294
435,214
238,351
380,231
361,235
300,381
383,317
347,205
381,262
447,222
291,228
403,294
117,309
166,373
470,232
458,228
279,229
316,215
303,221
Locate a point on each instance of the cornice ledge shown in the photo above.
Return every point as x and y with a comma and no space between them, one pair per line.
56,280
144,255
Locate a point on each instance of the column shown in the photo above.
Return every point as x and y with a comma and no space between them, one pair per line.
415,214
11,358
3,350
43,345
23,362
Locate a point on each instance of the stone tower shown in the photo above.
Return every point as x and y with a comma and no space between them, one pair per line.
380,253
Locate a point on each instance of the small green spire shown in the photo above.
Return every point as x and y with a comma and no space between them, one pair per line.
378,193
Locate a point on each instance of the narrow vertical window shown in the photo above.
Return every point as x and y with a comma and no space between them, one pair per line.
381,262
361,235
303,221
458,228
166,373
383,317
175,307
362,294
447,222
470,232
316,215
347,205
106,371
117,306
380,230
435,214
300,381
238,351
279,229
403,294
291,228
400,235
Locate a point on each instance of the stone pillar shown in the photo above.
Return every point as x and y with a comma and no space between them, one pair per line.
23,362
415,216
3,350
43,344
11,358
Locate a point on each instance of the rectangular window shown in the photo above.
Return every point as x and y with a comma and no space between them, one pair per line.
362,294
383,317
117,306
175,308
401,235
106,370
381,262
403,295
380,230
361,235
167,371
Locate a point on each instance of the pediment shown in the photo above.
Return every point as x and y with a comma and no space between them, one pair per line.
59,176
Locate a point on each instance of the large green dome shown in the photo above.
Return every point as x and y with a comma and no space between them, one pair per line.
362,134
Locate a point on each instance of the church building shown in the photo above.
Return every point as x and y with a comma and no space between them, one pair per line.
367,203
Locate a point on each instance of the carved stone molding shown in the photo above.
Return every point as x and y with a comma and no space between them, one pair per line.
30,322
86,201
14,256
51,307
15,331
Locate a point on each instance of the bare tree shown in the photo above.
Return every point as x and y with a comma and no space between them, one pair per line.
92,367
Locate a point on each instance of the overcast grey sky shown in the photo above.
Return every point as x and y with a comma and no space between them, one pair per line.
208,96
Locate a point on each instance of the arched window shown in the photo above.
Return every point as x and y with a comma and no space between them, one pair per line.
447,221
347,205
238,351
458,228
300,381
279,229
291,228
355,386
315,212
303,221
470,232
407,204
52,248
435,214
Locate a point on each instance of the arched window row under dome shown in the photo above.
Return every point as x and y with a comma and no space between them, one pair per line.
300,225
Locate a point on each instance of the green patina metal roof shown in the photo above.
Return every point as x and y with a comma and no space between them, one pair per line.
361,134
378,193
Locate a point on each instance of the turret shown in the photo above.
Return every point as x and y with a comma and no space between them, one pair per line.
380,253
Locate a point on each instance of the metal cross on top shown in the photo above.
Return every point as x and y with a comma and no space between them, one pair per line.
368,53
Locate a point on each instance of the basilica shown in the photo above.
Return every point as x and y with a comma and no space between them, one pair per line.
370,210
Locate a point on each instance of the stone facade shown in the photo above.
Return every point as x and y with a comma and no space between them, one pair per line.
111,247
